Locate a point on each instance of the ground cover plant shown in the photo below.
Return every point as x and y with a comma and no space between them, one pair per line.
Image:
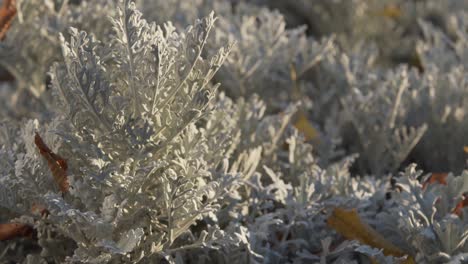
222,131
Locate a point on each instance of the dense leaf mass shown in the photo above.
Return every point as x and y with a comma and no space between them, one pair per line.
233,131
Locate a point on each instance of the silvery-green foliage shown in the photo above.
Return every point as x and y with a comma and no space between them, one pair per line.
268,58
23,169
353,21
26,180
256,139
346,253
439,99
391,24
439,96
163,168
265,52
181,12
255,136
22,53
450,40
435,97
445,49
370,106
237,255
291,223
139,167
32,45
7,109
377,107
284,217
422,220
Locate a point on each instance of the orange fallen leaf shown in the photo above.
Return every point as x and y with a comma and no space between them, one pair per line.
463,203
7,14
391,11
57,165
438,177
350,225
304,126
13,230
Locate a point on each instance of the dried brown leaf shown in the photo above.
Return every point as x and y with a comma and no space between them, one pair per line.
462,204
57,165
7,14
350,225
13,230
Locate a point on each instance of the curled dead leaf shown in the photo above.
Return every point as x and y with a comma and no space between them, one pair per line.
462,204
57,165
14,230
350,225
7,14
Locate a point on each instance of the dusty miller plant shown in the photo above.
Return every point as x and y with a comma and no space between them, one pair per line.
421,218
164,168
33,44
140,170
